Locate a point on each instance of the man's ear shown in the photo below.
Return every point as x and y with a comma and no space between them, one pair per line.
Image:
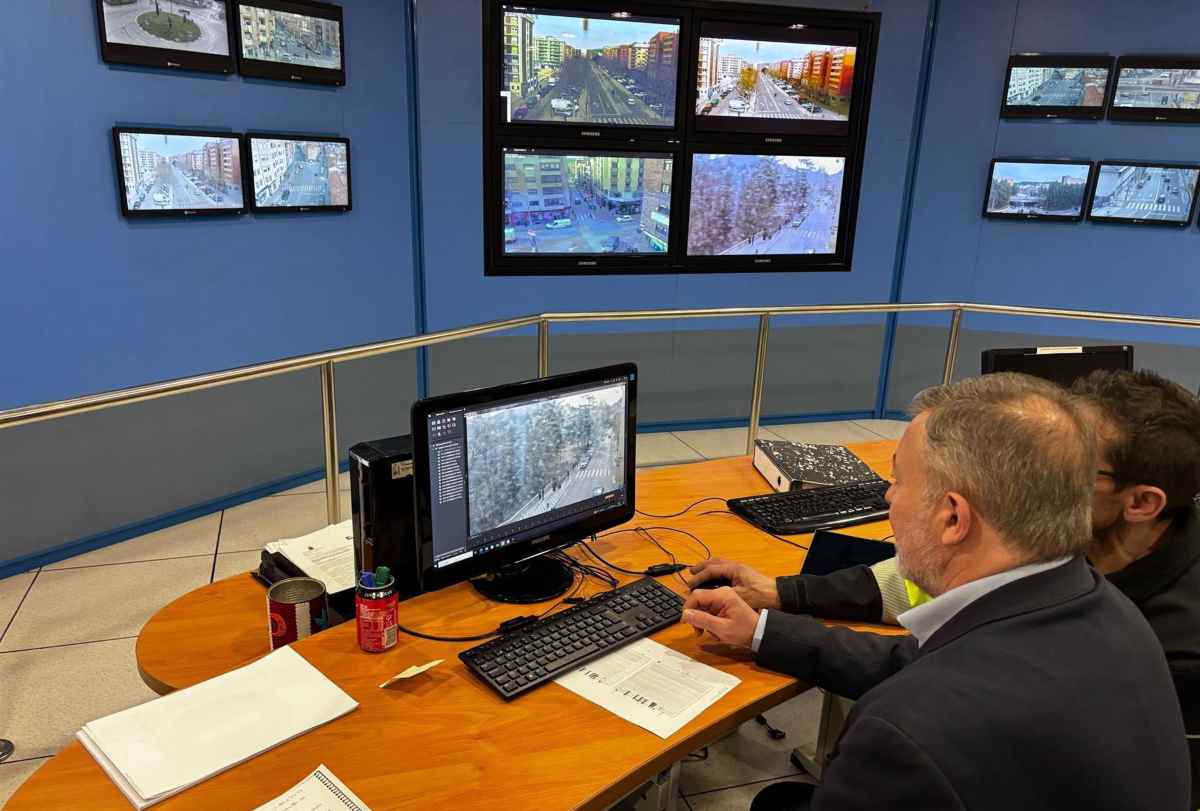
955,519
1144,503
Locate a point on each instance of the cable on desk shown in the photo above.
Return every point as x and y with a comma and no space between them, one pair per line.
760,529
685,509
588,549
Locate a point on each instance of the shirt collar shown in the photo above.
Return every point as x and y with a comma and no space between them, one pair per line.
924,620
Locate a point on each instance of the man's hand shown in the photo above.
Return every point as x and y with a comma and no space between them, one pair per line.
756,589
723,614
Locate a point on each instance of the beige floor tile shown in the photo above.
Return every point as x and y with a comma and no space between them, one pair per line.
12,775
715,443
730,799
318,486
12,591
824,433
251,525
100,602
663,449
888,429
51,693
233,563
197,537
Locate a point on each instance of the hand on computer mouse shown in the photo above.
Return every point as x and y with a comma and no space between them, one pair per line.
757,590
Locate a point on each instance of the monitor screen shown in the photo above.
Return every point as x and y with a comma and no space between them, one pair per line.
580,68
1157,92
534,461
1057,88
191,34
172,172
1060,364
283,39
1037,190
745,205
297,173
568,203
1144,193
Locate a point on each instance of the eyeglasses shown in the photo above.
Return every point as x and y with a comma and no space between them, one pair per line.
1109,473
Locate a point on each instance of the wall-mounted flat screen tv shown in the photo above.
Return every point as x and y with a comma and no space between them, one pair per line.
760,208
754,78
1056,86
291,40
1144,193
1156,89
1028,189
188,34
299,173
575,68
164,172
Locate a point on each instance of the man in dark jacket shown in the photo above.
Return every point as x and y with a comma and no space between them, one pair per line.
1029,681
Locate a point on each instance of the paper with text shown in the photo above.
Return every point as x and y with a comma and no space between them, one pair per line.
320,791
327,555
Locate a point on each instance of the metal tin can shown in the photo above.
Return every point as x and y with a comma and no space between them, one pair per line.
296,609
375,611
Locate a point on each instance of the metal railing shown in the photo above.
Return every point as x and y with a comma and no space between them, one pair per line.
326,361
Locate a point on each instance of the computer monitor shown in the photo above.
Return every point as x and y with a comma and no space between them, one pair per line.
1060,364
504,474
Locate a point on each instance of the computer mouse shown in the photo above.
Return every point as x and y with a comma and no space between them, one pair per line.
714,583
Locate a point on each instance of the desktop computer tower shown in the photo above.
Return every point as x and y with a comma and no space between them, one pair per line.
381,499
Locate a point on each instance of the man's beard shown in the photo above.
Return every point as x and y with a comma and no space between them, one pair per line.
922,565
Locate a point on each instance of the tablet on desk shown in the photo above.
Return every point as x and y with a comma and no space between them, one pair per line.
831,551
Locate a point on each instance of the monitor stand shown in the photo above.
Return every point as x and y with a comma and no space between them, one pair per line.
529,581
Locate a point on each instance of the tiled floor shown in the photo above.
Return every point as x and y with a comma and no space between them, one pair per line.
67,631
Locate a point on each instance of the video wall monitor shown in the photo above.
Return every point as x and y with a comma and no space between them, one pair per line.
1157,89
581,210
767,211
1056,86
586,68
1060,364
1021,189
187,34
797,79
299,173
291,40
178,172
1149,193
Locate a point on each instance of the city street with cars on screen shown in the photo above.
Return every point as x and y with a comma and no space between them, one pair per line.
1145,193
1166,89
182,25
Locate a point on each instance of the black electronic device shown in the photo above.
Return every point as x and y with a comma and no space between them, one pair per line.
298,172
714,583
381,504
1145,193
506,473
185,34
797,511
171,173
1057,86
831,552
1037,189
1156,88
1060,364
544,650
291,40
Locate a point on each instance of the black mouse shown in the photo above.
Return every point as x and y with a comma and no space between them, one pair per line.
714,583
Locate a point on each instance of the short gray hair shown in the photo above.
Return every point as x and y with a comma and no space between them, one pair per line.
1023,454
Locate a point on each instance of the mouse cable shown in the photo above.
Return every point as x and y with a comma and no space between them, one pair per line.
756,526
685,509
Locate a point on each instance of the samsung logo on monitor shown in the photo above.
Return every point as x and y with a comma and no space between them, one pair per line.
762,261
587,264
590,133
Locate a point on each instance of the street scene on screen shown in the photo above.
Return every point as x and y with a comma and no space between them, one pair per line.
295,39
758,79
529,459
1158,88
299,173
163,172
1055,189
1057,87
1144,193
764,204
181,25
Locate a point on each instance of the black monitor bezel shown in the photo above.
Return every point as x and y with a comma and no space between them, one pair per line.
118,130
433,578
987,358
838,261
1137,220
740,129
493,112
1116,113
1058,61
145,56
248,171
499,263
1087,189
286,71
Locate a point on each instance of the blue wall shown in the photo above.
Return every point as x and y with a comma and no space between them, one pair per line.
97,302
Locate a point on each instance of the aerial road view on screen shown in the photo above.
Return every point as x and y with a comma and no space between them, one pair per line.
759,79
529,459
764,204
182,25
1158,88
1056,87
299,173
295,39
189,172
1050,189
1144,193
590,70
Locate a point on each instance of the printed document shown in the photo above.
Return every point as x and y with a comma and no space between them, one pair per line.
320,791
327,555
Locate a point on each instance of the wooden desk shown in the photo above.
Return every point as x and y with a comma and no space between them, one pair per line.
443,739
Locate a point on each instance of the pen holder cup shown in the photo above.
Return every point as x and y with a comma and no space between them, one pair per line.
296,608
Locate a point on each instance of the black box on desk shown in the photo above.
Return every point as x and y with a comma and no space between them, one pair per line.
381,500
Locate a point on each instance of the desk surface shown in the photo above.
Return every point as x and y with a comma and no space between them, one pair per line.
449,740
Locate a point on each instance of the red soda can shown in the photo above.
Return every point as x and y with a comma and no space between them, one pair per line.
375,610
296,609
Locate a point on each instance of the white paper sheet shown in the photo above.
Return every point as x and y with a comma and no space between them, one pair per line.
327,555
320,791
650,685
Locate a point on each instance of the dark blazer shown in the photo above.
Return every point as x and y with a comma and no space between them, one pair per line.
1050,692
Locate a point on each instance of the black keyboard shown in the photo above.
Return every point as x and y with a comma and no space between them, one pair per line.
542,651
815,508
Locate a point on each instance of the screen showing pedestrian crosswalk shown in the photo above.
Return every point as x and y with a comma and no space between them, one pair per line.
1028,189
300,174
1144,193
164,172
